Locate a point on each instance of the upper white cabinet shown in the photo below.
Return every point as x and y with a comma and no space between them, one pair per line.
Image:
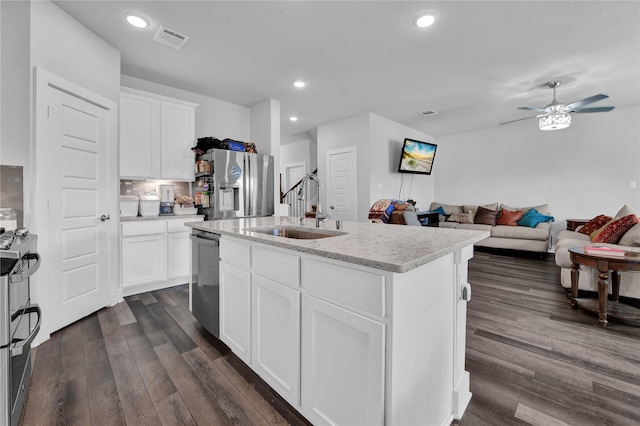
156,136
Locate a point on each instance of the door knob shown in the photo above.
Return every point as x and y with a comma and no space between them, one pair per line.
104,217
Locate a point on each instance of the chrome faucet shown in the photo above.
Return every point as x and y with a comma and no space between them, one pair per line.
320,217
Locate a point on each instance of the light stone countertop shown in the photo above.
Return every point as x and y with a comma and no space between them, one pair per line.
175,216
393,248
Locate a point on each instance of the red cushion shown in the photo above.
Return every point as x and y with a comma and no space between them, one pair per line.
612,232
509,217
594,224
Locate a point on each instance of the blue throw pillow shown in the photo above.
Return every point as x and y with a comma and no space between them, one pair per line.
439,210
532,218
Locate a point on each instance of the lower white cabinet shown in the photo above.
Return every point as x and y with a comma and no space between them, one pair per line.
276,336
155,254
178,250
143,259
235,310
342,365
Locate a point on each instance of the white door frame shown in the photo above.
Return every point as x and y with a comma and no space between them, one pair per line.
43,79
288,166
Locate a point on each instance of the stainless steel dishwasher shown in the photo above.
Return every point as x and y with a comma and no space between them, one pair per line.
205,285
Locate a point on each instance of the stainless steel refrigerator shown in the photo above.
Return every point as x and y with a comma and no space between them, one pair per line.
240,184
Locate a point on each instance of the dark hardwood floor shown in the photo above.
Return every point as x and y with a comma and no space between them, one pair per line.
532,359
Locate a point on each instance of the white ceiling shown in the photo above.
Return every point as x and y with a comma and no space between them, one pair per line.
475,66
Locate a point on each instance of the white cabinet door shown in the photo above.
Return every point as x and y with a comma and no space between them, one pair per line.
276,336
177,136
342,365
139,149
144,259
178,250
235,310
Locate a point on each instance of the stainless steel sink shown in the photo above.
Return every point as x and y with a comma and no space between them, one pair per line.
297,232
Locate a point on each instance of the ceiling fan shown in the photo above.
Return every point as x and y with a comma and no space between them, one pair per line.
555,116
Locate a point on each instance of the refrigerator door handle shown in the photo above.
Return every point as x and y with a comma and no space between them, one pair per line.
248,190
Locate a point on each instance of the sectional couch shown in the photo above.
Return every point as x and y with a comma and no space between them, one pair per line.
531,239
588,277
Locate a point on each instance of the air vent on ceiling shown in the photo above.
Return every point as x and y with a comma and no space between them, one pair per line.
427,113
171,38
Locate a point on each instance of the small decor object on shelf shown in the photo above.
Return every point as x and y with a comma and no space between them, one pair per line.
609,251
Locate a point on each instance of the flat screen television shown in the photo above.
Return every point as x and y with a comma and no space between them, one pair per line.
417,157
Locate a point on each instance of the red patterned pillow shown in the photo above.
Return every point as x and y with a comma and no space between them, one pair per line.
612,232
594,224
509,217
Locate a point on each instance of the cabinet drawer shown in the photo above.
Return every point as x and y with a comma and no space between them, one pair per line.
234,252
351,287
177,225
144,227
280,267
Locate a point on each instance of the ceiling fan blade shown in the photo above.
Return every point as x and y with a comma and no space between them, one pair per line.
582,102
520,119
594,109
533,109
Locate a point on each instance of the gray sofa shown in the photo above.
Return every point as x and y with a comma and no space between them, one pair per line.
502,236
588,277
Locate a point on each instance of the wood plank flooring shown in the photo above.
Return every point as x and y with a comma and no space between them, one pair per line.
532,359
535,361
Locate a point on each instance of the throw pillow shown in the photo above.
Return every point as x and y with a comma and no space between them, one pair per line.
631,238
532,218
439,210
614,230
486,216
542,208
594,224
460,218
626,210
509,217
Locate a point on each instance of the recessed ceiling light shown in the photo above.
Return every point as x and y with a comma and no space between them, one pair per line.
136,20
300,84
293,118
426,19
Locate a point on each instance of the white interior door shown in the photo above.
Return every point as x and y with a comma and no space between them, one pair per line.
72,205
342,185
293,172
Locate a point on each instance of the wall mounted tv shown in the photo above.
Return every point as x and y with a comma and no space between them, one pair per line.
417,157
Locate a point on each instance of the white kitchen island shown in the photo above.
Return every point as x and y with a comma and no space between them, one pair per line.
365,328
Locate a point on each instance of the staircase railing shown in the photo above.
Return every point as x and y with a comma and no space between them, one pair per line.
290,197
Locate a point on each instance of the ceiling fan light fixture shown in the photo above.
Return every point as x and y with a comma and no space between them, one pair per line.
554,121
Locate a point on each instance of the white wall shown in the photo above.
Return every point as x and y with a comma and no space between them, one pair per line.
378,141
214,117
386,143
15,89
265,133
580,172
63,46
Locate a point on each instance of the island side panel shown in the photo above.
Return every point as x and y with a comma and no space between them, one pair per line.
420,347
462,395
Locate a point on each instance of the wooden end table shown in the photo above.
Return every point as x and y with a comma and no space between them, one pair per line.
572,224
433,218
603,263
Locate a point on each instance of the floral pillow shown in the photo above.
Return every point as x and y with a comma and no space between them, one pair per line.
614,230
460,217
509,217
594,224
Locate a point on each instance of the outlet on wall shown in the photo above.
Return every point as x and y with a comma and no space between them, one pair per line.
633,184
